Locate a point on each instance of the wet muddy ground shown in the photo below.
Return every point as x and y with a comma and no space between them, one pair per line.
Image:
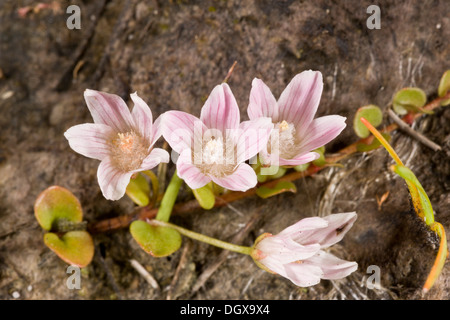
173,53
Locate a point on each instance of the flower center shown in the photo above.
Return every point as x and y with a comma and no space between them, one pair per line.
128,150
284,140
283,126
213,151
214,159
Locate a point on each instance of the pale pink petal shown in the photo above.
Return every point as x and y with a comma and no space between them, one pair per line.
299,101
321,131
332,267
156,156
285,250
90,139
190,173
242,179
303,275
156,131
262,102
338,225
142,116
181,130
253,136
109,109
112,181
220,110
306,224
298,160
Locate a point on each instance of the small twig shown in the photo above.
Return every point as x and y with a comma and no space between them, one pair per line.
230,71
181,265
223,255
416,135
144,273
109,275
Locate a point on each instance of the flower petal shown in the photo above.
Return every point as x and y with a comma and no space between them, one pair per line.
338,225
301,159
242,179
156,131
112,181
285,250
332,267
298,103
220,110
90,139
253,137
306,224
321,131
302,274
142,116
190,173
262,102
156,156
181,130
109,109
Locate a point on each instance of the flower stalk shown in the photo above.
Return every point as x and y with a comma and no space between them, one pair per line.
169,198
201,237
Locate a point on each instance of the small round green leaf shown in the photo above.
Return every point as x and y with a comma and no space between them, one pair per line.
371,113
444,84
281,172
282,186
74,247
57,203
444,87
302,167
205,197
321,160
155,240
138,190
409,100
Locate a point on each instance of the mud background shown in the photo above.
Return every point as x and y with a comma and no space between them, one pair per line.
173,53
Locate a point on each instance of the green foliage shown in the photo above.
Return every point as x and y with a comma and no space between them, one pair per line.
55,204
155,240
410,100
371,113
282,186
74,247
139,190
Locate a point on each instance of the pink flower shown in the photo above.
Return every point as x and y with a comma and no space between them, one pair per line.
296,133
216,146
121,139
296,252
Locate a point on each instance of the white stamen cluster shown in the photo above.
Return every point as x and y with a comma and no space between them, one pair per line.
128,150
284,139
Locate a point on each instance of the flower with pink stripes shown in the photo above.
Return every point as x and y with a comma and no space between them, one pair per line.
216,146
122,140
296,133
296,252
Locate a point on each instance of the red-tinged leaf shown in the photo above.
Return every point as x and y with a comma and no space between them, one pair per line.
57,203
74,247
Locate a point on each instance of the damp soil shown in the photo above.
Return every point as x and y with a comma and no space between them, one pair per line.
173,53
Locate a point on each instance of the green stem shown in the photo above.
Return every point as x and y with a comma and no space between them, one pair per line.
203,238
169,198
